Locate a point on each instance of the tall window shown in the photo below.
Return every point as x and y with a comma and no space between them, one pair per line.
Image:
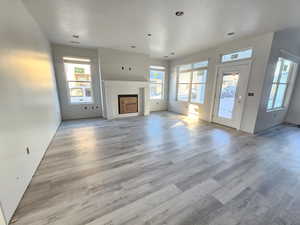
282,75
79,82
157,76
191,82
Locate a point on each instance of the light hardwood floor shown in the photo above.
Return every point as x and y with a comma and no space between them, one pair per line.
165,169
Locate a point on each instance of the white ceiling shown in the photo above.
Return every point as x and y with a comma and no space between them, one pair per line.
121,23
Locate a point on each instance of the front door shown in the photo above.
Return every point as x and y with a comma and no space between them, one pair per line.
231,92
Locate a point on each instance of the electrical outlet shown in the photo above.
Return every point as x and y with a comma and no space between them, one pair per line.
27,150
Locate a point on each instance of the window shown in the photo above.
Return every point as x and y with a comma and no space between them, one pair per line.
235,56
191,82
283,71
79,82
157,76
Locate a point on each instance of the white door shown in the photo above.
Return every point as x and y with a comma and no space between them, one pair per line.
231,91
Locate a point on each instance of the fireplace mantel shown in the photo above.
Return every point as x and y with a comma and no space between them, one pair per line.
112,89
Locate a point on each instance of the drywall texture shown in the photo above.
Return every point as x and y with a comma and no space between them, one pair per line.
77,111
161,105
285,44
293,115
261,46
29,114
122,65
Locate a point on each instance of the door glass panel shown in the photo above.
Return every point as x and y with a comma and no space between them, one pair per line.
227,95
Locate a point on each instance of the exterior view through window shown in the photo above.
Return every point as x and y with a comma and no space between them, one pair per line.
79,82
235,56
227,95
191,82
157,77
283,71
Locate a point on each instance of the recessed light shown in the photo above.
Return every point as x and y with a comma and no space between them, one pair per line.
179,13
132,46
172,53
75,42
75,36
230,33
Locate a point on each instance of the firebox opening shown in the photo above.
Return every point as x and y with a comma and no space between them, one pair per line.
128,104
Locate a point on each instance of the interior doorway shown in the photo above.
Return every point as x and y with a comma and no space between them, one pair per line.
231,91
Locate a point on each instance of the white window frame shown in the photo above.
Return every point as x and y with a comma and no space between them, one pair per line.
237,51
160,69
75,60
278,83
193,69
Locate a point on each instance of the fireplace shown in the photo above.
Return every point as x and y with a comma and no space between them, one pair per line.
128,104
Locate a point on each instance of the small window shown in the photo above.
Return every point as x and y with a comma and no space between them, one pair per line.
191,82
79,81
283,71
235,56
157,77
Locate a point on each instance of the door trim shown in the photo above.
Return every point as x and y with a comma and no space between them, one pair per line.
214,96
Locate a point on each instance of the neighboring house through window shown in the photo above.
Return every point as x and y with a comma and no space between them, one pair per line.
79,80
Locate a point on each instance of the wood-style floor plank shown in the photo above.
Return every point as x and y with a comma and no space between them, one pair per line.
165,169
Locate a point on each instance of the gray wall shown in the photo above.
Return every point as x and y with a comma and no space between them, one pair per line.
287,40
261,46
111,62
29,114
77,111
293,115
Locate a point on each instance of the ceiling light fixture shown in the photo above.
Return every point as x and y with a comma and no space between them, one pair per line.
149,35
179,13
75,36
230,33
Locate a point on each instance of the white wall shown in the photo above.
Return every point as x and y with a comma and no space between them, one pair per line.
161,105
29,113
77,111
261,46
287,40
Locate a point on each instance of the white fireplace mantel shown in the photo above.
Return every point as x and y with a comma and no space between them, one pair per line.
112,89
